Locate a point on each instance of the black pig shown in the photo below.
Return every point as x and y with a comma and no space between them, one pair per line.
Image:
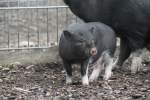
128,18
85,43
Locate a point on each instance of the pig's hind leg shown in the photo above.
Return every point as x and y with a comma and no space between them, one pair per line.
98,66
108,62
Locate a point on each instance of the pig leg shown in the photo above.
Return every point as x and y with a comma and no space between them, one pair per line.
97,70
84,72
68,69
108,61
136,64
124,52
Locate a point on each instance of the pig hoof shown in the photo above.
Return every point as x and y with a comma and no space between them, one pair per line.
136,64
107,75
85,84
85,80
68,80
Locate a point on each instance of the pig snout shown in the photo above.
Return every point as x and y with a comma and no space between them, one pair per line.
93,51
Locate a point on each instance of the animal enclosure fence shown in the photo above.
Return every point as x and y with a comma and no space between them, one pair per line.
28,25
31,26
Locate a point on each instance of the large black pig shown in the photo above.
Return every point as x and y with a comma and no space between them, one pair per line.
129,19
84,44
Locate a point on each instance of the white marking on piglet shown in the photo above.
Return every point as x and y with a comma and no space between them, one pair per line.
85,80
108,70
97,70
108,60
104,61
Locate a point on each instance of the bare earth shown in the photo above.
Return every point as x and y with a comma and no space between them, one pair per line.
47,82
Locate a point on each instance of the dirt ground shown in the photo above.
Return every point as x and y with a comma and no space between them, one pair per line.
47,82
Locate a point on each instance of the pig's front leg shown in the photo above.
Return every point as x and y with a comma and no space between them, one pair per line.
84,72
68,69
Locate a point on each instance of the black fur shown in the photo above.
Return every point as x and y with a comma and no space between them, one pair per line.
78,40
129,19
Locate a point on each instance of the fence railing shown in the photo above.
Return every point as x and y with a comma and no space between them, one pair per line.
33,27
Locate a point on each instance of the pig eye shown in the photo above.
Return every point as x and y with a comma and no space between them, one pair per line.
81,34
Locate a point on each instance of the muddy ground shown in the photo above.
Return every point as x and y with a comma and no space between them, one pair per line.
47,82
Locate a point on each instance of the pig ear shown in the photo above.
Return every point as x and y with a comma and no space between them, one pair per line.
67,34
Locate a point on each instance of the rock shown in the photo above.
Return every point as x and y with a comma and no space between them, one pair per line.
136,96
110,97
6,79
1,67
100,94
96,98
6,69
1,80
35,88
117,91
139,83
143,89
47,94
125,98
147,81
29,67
145,70
21,90
148,90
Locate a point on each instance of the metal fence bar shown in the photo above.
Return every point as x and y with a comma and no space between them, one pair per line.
36,26
8,3
67,16
41,7
38,34
18,24
57,24
47,24
28,31
24,48
47,28
8,30
4,21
